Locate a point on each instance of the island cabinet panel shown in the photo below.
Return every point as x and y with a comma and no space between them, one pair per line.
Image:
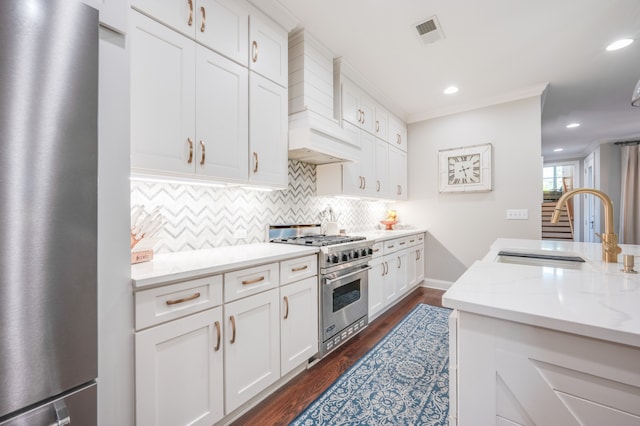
511,373
179,376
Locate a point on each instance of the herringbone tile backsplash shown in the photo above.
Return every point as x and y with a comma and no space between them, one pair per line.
199,217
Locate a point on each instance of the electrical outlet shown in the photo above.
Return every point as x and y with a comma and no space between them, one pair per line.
517,214
239,234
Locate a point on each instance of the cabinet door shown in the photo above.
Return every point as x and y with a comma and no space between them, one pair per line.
368,162
223,25
269,49
299,323
252,347
412,263
179,371
268,130
400,264
390,286
398,173
368,122
113,13
177,14
351,104
222,106
162,98
376,287
382,168
397,133
352,182
419,264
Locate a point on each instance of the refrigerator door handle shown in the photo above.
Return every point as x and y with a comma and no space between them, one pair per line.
62,414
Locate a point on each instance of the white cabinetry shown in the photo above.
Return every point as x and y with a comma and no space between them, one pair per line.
298,322
376,282
269,50
179,365
397,173
268,132
382,123
397,133
415,260
357,108
113,13
221,25
252,347
382,188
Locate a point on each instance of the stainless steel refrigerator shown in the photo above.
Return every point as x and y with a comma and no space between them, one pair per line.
48,212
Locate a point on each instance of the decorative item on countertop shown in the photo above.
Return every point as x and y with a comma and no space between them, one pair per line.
330,220
143,227
392,219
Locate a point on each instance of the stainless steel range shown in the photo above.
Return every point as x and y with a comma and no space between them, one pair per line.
343,292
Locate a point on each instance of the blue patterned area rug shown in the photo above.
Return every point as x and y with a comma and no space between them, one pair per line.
403,380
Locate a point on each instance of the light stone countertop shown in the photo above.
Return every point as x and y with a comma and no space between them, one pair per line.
382,235
172,267
600,302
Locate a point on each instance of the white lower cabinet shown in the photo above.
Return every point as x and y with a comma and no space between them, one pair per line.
376,287
179,374
298,323
252,347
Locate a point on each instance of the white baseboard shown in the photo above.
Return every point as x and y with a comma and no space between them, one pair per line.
437,284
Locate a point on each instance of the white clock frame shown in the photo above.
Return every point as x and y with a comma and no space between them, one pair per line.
485,153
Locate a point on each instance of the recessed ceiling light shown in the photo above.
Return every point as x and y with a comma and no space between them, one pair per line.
619,44
573,125
451,90
558,150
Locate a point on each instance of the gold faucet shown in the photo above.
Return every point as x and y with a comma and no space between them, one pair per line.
609,239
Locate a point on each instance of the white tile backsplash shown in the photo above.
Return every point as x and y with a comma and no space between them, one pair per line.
199,217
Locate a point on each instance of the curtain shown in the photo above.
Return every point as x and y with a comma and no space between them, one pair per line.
630,195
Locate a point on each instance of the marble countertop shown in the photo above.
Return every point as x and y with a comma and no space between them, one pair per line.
171,267
381,235
600,301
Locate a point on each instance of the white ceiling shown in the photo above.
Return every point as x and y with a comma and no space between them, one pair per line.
494,50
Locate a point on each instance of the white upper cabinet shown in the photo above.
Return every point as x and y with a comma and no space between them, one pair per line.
221,25
269,50
381,188
397,173
189,107
357,108
397,133
268,130
162,98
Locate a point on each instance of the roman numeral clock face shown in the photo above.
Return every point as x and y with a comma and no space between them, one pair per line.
464,169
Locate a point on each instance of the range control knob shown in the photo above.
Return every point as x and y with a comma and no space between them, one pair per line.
370,250
334,259
363,252
355,254
345,257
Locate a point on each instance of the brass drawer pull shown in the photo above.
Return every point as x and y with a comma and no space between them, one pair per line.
190,142
254,51
233,329
204,153
219,336
255,167
392,246
377,186
403,243
302,268
204,19
256,280
190,20
184,299
286,307
375,250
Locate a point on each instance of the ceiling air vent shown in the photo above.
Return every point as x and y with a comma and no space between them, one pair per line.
429,30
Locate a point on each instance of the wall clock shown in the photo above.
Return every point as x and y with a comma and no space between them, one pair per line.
466,169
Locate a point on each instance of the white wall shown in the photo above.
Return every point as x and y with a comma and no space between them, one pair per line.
462,226
608,180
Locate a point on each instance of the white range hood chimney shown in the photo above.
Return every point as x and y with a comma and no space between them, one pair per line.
315,134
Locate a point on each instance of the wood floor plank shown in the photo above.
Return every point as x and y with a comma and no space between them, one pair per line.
285,404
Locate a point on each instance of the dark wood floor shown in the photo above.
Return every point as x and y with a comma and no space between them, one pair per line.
284,405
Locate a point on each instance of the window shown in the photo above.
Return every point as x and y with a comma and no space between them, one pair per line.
552,177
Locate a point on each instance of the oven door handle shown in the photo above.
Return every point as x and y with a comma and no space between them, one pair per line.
350,274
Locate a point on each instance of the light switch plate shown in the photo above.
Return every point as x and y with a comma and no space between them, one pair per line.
518,214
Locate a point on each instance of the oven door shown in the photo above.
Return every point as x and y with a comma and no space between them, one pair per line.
344,299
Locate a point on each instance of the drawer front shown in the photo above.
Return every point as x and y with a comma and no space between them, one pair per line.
250,281
414,240
161,304
377,249
298,269
391,246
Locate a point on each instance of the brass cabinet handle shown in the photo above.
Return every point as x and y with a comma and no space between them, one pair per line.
417,254
190,20
286,307
364,117
399,189
256,280
392,246
364,182
377,186
219,336
398,139
255,167
190,159
184,299
360,187
375,250
254,51
377,126
412,240
233,329
204,153
302,268
403,243
399,262
203,12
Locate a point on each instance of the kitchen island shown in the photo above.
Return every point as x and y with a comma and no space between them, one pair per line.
542,343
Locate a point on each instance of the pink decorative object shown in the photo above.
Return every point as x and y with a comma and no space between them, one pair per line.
389,224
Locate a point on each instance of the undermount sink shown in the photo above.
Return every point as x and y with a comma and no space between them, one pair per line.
562,260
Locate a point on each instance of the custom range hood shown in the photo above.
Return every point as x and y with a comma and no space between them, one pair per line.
315,135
